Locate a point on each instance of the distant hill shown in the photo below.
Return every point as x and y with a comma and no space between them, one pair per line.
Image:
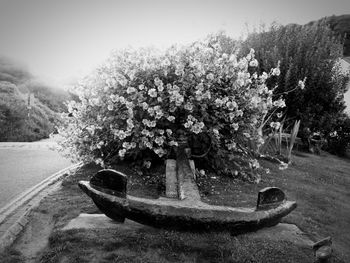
17,121
53,98
17,74
13,72
340,25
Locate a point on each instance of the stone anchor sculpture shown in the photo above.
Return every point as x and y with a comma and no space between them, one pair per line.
108,190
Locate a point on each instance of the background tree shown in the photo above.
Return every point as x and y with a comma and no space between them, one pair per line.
312,52
341,26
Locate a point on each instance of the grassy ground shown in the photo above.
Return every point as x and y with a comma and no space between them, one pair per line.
320,185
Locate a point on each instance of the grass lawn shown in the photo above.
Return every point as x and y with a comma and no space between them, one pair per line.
319,184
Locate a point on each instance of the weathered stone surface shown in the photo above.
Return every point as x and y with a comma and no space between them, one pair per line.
171,179
326,241
283,232
172,189
193,168
323,250
109,208
99,221
111,182
270,197
189,213
90,221
187,188
323,254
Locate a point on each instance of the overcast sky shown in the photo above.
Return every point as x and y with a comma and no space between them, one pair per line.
61,39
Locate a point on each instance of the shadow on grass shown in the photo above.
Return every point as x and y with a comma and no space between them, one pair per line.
11,255
301,154
167,246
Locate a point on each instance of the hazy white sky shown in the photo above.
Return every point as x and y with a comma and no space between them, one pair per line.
60,39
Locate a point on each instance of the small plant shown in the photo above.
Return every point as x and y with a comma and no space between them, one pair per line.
338,140
280,144
293,136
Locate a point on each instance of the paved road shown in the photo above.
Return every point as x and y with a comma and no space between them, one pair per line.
23,165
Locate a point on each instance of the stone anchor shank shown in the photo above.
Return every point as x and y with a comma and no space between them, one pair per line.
187,188
171,179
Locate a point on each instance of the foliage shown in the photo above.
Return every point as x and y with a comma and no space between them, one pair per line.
338,140
53,98
17,122
140,102
12,111
279,144
311,52
341,26
227,44
293,136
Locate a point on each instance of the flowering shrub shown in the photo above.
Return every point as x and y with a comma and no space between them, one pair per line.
134,106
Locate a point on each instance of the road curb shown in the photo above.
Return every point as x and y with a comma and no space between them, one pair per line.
23,200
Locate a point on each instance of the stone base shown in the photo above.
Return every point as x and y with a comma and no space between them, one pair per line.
171,179
99,221
185,212
283,232
280,232
171,185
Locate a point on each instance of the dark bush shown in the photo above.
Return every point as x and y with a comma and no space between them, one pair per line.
311,52
338,140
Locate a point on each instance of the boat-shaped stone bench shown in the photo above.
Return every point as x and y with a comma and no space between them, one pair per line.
184,211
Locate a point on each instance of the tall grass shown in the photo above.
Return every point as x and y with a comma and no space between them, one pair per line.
293,136
281,143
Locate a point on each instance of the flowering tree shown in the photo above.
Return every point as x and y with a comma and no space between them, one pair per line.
138,104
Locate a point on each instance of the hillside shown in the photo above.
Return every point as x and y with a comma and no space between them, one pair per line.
341,26
13,72
17,121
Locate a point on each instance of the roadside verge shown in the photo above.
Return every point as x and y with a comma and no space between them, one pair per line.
13,216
